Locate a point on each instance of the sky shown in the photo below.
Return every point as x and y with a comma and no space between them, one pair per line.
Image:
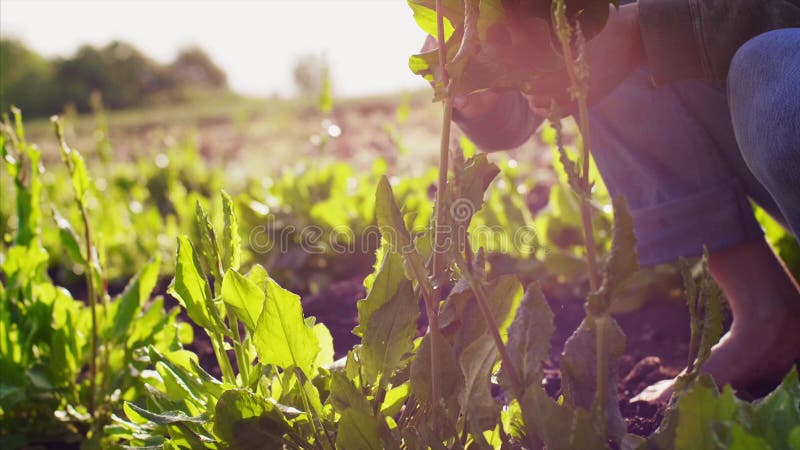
255,41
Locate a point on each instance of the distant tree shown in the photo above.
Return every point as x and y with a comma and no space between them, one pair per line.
26,79
119,71
310,74
193,67
122,75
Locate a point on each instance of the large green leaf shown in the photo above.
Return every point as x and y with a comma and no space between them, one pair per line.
461,317
777,415
245,298
69,238
383,288
360,430
166,417
390,333
703,418
128,305
393,231
698,410
282,337
579,367
448,369
477,404
325,340
529,335
189,286
560,426
245,421
345,395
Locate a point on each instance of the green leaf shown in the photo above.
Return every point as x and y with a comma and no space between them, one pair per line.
794,438
579,371
448,368
703,418
69,238
560,426
325,340
393,229
460,310
395,399
189,286
698,410
360,430
130,302
257,275
230,235
282,337
389,336
245,298
742,440
529,335
777,415
383,288
166,417
426,18
345,395
622,261
477,361
79,175
209,246
245,421
710,296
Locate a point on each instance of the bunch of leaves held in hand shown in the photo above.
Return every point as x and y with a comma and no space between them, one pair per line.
499,44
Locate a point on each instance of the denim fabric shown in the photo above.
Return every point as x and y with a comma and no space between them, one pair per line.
672,151
764,93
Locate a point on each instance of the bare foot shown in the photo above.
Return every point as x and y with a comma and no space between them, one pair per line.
758,352
764,340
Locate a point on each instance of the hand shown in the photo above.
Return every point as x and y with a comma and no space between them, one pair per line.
476,104
468,106
612,56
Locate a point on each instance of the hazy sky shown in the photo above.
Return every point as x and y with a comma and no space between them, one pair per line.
255,41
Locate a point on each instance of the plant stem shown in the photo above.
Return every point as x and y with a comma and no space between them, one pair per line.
218,344
444,153
238,347
586,206
579,91
90,293
578,72
92,306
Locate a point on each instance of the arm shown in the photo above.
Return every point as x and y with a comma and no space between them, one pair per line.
496,121
696,39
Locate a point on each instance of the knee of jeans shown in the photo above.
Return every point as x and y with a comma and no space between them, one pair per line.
763,94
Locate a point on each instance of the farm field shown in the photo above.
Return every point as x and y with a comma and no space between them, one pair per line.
154,213
233,272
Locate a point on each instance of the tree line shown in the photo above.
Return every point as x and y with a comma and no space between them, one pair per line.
121,73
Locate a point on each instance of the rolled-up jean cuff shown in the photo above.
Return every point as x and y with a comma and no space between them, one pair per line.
716,218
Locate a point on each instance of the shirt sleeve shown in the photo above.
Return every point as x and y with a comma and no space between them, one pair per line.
696,39
508,125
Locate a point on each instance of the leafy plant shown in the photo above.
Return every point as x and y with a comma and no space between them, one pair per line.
67,364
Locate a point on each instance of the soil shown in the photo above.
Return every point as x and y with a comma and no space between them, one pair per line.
657,345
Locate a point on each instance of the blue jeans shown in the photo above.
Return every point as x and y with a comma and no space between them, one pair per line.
689,154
